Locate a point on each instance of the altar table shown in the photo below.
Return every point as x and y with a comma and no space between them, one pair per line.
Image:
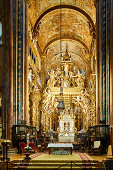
60,145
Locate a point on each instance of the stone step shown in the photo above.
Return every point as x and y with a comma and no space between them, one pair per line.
42,164
12,151
55,167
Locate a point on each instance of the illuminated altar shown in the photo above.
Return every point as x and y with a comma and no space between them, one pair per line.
77,113
66,128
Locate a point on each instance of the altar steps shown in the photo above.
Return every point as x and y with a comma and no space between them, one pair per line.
50,165
12,151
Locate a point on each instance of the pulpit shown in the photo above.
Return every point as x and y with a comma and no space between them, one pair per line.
66,128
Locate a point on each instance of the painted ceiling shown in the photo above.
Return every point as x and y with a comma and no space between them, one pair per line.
75,29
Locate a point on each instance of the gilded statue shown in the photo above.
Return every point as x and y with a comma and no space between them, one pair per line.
66,69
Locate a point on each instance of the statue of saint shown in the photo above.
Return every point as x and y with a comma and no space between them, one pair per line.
75,70
52,78
83,74
66,69
58,71
52,75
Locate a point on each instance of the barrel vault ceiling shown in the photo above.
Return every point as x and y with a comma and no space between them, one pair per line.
78,20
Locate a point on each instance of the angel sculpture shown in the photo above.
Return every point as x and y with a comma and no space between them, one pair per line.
83,74
52,77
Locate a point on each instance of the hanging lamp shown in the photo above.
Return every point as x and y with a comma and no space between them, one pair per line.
61,106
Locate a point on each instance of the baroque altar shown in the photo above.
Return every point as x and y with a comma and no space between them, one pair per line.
79,113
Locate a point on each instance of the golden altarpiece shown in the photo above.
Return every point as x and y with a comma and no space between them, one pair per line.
78,113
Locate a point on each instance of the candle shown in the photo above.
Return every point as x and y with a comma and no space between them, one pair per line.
27,139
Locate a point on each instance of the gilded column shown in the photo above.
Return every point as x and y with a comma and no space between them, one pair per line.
50,122
44,123
47,123
26,107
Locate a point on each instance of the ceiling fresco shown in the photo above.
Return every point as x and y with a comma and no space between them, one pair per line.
38,7
78,19
74,25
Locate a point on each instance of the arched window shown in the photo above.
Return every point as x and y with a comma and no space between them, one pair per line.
0,33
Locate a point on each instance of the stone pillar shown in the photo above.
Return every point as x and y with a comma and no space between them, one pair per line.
111,70
20,59
10,113
103,72
108,62
4,52
103,59
14,63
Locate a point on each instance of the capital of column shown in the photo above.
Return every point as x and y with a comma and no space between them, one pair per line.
95,2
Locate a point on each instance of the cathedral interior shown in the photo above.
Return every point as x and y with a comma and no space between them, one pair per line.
56,71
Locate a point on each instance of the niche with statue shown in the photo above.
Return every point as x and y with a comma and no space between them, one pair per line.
66,128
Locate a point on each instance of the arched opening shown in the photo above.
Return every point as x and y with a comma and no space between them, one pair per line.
75,26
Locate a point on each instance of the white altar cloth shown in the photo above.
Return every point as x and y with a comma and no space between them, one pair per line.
60,145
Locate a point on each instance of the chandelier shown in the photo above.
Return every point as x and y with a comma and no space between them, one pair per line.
61,106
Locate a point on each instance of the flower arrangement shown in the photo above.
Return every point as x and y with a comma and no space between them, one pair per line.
27,148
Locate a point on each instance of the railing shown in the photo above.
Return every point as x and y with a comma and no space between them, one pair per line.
10,165
83,164
108,164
